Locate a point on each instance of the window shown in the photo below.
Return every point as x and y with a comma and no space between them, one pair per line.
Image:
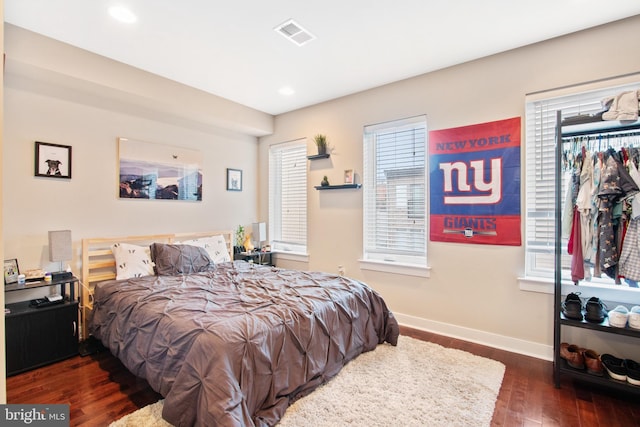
288,197
540,178
394,186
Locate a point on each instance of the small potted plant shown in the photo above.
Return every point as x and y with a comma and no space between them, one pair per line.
239,246
321,143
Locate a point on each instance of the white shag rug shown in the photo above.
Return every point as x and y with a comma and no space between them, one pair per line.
417,383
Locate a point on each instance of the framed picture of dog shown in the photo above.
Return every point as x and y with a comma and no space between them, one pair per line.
53,160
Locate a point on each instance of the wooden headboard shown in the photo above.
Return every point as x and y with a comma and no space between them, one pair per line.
98,263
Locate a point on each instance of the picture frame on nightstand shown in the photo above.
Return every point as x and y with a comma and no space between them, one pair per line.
11,271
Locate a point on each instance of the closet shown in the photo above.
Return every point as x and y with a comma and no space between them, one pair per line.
574,138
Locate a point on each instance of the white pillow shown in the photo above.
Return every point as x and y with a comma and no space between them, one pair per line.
132,261
215,246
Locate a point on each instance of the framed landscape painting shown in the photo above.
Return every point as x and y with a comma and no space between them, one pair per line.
158,172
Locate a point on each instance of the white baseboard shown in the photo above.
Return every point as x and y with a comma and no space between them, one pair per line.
501,342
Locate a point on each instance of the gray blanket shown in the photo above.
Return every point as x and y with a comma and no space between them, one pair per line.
235,346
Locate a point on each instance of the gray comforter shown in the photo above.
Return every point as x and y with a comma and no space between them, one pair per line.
236,345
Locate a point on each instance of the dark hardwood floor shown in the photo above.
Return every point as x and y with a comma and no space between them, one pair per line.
100,390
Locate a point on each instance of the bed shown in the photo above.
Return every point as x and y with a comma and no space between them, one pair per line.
226,343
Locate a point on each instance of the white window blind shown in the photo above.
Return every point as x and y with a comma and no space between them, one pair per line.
394,186
540,176
288,196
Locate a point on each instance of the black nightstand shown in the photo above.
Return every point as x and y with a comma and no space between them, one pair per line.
258,257
38,336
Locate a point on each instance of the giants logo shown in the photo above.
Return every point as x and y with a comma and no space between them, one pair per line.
491,189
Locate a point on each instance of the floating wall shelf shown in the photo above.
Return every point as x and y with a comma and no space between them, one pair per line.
319,156
337,187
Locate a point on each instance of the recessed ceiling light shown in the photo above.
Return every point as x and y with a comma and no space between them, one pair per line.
286,91
122,14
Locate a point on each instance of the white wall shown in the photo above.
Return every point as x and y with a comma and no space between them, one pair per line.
88,204
473,290
54,98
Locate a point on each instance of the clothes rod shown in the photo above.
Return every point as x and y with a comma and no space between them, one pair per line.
613,129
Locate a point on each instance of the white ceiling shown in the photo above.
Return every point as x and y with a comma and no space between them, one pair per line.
229,48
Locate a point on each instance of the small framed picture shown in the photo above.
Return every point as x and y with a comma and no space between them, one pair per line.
234,180
53,160
11,271
348,176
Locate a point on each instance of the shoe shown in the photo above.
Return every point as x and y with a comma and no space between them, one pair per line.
615,367
596,310
633,371
618,316
634,317
572,306
593,363
572,354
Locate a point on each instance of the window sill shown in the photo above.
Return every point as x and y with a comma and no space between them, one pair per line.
396,268
621,294
291,256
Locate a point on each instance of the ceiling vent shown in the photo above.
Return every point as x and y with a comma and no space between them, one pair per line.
294,32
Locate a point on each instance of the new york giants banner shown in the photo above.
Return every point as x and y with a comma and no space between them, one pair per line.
474,174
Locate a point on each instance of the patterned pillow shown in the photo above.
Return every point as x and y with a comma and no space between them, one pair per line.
131,261
215,246
172,260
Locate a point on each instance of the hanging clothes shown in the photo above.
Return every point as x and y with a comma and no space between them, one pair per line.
616,184
635,203
608,251
570,201
584,206
577,259
594,259
602,200
630,256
